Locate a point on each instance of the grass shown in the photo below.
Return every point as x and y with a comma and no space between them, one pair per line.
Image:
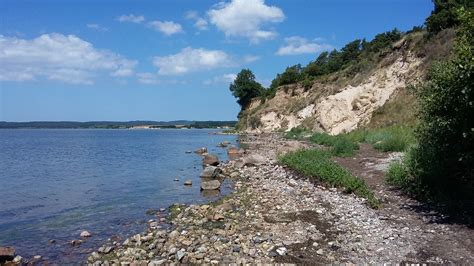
297,133
392,138
340,145
317,164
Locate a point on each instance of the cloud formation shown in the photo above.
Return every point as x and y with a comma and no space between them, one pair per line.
246,18
166,27
191,60
54,56
199,22
296,45
97,27
131,18
225,78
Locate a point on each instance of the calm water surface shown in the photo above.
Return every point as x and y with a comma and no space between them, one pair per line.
56,183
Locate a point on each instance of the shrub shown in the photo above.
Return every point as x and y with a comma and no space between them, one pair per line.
317,164
393,138
443,161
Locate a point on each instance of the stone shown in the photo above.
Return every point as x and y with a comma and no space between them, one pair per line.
201,150
236,249
174,234
18,259
75,243
210,184
106,250
320,251
6,253
157,262
218,217
85,234
232,151
176,179
281,251
255,159
210,159
180,254
188,183
37,257
210,172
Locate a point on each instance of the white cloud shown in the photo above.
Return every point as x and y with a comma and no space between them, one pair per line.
251,58
148,78
246,18
225,78
191,60
97,27
131,18
199,22
297,45
65,58
166,27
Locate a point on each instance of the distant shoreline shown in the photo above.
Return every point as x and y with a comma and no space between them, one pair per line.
178,124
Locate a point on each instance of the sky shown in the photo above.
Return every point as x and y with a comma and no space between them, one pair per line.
166,60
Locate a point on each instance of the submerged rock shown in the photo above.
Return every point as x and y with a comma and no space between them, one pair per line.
210,184
201,150
188,183
85,234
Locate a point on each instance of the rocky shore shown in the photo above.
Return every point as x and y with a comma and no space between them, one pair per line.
276,216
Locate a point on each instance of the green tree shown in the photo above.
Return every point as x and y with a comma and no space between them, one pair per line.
245,88
444,14
443,162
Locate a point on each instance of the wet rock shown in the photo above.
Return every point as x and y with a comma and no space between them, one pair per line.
211,172
210,184
188,183
210,159
85,234
281,251
106,250
6,253
75,243
201,150
18,259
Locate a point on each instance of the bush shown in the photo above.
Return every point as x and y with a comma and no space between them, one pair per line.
443,161
317,164
340,145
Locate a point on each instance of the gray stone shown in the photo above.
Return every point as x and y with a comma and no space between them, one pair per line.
180,254
210,172
188,183
210,184
85,234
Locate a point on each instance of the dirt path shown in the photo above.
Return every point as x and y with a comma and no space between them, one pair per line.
441,240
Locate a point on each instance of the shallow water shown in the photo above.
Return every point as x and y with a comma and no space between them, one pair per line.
56,183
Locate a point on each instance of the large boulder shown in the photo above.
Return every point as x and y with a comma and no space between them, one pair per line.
255,159
211,172
212,184
210,159
201,150
6,254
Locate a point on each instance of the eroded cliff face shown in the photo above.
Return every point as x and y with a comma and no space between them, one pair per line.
331,107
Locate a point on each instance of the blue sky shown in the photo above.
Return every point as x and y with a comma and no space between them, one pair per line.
168,59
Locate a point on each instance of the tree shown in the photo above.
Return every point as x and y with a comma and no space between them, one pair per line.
444,14
245,88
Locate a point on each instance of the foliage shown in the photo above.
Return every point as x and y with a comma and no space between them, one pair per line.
443,162
444,14
291,75
245,88
297,133
340,145
317,164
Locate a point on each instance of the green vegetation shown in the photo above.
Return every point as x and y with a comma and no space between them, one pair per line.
317,164
392,138
444,14
340,145
245,88
441,166
297,133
